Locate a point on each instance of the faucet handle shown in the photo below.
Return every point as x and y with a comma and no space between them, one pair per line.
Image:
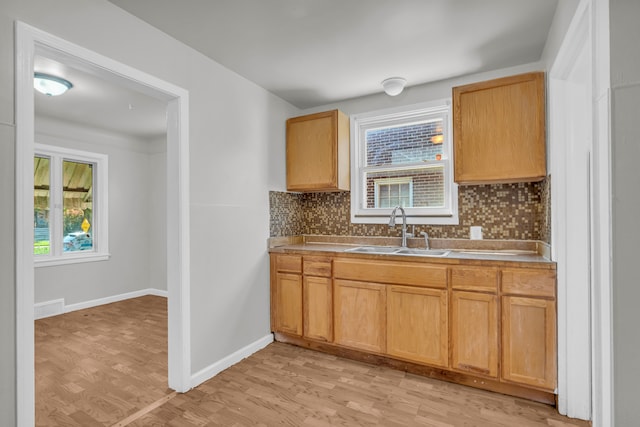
426,239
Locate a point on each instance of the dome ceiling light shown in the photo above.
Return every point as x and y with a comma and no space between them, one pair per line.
394,85
50,85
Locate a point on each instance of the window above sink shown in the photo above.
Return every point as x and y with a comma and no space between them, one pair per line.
403,157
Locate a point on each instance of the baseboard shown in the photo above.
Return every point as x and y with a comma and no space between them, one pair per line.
214,369
157,292
56,307
48,308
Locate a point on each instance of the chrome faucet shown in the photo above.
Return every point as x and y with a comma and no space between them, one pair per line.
426,239
392,223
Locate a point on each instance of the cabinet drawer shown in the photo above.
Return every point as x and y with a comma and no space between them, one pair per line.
475,279
291,263
316,266
399,273
529,282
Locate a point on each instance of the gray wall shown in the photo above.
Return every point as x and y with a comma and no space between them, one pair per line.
625,105
133,190
157,220
421,93
561,20
237,145
7,278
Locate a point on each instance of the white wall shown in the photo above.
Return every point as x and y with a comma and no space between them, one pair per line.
7,275
237,145
625,148
7,229
422,93
130,218
561,20
157,219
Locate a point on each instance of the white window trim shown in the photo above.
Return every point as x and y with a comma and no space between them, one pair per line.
391,181
100,232
360,123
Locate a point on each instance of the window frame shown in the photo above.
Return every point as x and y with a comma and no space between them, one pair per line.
391,181
399,116
100,206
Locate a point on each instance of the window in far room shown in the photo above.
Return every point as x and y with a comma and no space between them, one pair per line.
70,206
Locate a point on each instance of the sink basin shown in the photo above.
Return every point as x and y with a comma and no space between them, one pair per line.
373,250
422,252
398,251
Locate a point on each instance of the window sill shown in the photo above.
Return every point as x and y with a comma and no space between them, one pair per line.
415,220
70,259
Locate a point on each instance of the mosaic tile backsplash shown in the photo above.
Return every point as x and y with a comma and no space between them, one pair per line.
505,211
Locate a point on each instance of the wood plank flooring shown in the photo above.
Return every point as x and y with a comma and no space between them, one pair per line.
107,366
97,366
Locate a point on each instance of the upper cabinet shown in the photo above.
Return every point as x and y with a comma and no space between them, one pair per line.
499,130
318,152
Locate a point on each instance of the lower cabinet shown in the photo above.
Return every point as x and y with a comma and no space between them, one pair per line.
288,295
494,323
417,324
474,333
529,341
360,315
318,308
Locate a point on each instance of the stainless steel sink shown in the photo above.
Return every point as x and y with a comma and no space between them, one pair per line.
399,251
422,252
373,249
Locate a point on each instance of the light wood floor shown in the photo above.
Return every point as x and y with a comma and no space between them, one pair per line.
97,366
107,366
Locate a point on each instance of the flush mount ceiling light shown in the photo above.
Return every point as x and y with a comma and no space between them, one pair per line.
393,85
50,85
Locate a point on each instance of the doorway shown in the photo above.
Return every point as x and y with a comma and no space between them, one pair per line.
29,43
577,243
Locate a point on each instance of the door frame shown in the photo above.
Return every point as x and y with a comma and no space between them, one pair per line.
30,41
577,397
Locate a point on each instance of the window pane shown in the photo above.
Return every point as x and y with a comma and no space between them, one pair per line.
41,183
404,144
77,210
426,188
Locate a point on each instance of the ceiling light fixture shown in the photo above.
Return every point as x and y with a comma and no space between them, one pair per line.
50,85
394,85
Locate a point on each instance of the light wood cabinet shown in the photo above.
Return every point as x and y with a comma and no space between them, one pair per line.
417,324
286,294
360,315
489,326
499,130
288,316
317,299
474,332
397,273
318,152
529,347
529,341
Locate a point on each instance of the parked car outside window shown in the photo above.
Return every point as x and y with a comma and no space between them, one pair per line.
77,241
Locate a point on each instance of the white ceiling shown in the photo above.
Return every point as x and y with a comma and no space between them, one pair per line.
99,103
315,52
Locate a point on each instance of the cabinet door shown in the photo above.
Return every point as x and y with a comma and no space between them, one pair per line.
318,152
529,341
318,305
360,315
499,130
288,303
417,324
474,333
